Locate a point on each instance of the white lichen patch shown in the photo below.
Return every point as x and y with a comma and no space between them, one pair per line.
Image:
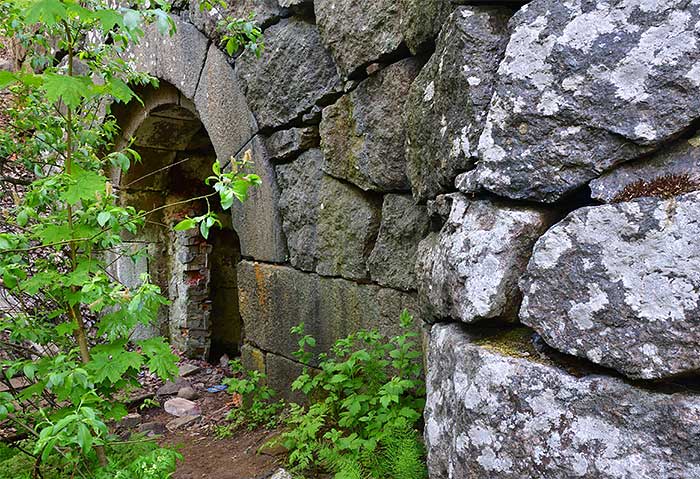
527,54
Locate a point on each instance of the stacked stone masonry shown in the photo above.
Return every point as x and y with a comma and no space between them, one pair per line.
468,161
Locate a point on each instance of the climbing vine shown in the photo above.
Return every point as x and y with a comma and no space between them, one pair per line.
67,359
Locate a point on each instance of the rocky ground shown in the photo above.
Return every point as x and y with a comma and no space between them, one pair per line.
186,414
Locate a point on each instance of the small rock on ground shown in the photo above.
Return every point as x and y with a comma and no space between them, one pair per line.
180,422
181,407
187,393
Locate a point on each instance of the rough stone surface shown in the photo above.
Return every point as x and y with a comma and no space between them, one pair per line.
281,474
281,373
276,298
187,393
421,21
258,221
170,388
497,416
222,107
359,32
620,285
682,158
181,407
286,145
586,86
362,133
393,259
293,74
330,225
448,102
177,59
180,423
470,270
188,370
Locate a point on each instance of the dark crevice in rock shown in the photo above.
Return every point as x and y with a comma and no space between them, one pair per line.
361,72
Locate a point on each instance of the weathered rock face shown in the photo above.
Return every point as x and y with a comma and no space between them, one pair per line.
293,74
362,133
620,285
492,415
177,59
585,86
359,32
422,20
448,102
276,298
287,144
330,225
300,201
470,270
404,225
258,219
680,159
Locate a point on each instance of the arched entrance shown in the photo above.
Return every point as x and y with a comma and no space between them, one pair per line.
197,275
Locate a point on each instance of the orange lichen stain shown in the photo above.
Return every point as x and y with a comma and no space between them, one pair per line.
261,286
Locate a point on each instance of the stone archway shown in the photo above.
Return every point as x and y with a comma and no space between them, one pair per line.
198,275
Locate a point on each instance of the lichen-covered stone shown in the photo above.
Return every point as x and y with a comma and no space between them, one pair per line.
682,158
587,85
499,416
393,259
330,225
293,74
620,285
448,102
362,134
274,299
359,32
470,270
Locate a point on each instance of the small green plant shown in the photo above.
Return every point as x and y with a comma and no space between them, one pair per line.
149,403
257,406
367,400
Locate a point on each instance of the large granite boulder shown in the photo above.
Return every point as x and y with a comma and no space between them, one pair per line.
620,285
470,270
498,415
362,133
359,32
273,299
587,85
330,225
293,74
393,259
448,102
678,161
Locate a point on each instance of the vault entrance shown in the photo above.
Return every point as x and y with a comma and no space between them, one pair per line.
197,275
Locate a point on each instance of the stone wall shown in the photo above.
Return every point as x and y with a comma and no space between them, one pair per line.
522,177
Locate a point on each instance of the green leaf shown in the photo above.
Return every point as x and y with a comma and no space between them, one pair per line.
6,79
84,438
161,359
103,218
86,184
186,224
69,89
48,12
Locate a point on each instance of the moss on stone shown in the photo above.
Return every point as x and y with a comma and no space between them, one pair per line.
516,342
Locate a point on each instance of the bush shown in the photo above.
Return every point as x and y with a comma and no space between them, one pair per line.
367,399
